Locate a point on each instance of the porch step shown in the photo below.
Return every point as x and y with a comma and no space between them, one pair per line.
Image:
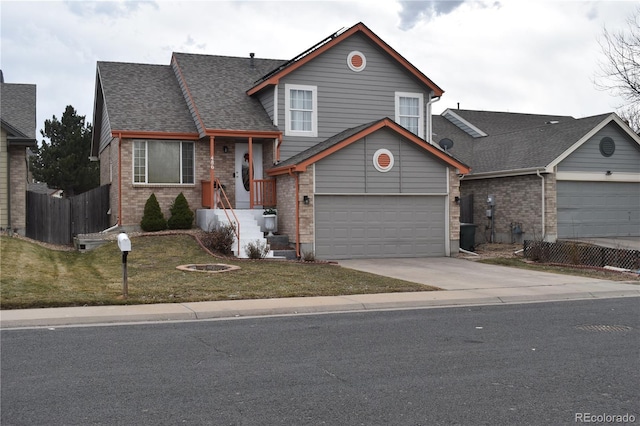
250,230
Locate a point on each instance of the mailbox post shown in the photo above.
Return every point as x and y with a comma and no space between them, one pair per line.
124,243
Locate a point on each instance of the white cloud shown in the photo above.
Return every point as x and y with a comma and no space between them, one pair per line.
534,56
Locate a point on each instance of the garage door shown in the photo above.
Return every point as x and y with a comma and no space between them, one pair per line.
598,209
366,226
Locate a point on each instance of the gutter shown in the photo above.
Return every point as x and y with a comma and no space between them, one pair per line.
508,173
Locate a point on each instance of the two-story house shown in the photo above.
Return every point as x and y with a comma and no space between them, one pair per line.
336,138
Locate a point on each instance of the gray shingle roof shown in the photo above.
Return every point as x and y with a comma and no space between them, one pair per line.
144,97
218,86
326,144
18,109
514,141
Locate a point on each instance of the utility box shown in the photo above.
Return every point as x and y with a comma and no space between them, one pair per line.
467,236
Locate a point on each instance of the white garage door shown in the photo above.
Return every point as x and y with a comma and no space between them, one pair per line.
374,226
598,209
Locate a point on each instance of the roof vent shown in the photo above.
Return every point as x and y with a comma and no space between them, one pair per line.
552,122
252,63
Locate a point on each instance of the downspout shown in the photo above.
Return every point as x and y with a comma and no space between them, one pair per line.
429,135
297,213
543,206
212,172
250,172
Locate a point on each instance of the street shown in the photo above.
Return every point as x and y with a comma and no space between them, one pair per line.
539,363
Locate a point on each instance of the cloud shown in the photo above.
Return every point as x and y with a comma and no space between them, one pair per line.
107,8
414,11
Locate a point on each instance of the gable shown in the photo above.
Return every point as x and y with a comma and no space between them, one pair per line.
301,161
347,98
588,157
334,40
353,170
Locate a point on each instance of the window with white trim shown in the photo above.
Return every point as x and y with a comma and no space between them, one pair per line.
301,110
410,112
163,162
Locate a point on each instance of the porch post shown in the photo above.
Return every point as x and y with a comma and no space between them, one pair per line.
212,172
250,172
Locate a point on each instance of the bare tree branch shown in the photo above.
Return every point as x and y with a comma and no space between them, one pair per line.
620,69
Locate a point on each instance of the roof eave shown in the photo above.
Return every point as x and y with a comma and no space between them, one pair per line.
360,27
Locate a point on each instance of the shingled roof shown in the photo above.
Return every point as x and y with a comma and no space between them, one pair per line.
218,86
514,141
142,97
18,109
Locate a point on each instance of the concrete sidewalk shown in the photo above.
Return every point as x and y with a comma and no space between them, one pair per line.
463,283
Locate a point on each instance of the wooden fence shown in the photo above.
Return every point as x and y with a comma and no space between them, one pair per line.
58,220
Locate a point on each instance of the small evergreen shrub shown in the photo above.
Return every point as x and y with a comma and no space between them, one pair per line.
181,214
153,219
257,249
220,240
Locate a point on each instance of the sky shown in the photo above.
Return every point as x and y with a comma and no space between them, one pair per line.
526,56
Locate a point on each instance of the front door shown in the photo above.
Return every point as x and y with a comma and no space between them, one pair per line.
242,172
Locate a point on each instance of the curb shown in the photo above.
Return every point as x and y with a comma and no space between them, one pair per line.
131,314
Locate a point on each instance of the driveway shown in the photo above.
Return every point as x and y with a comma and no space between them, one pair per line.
450,273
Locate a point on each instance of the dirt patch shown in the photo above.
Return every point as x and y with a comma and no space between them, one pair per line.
493,250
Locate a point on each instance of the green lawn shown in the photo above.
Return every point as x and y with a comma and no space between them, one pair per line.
33,276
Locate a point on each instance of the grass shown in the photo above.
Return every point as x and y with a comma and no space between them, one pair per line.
32,276
567,270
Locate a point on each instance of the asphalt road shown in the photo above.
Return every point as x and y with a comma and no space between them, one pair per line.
542,363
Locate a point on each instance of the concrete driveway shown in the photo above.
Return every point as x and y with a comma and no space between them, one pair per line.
464,275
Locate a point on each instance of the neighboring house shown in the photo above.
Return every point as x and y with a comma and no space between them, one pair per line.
18,133
337,139
550,176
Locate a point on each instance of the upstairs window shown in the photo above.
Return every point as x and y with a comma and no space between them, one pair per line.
301,110
410,112
163,162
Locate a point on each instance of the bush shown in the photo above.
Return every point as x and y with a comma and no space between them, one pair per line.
257,250
153,219
181,214
220,240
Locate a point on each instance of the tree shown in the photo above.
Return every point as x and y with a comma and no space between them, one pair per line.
181,214
64,163
620,70
153,220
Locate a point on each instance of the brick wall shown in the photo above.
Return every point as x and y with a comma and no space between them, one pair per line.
454,208
518,200
18,180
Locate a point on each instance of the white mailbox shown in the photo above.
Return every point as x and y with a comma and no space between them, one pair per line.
124,242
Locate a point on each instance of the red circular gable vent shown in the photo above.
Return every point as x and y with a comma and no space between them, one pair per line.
383,160
356,61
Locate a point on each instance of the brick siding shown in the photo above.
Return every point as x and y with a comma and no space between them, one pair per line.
517,200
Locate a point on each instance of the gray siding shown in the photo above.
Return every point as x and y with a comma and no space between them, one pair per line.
346,98
266,100
588,158
351,169
105,129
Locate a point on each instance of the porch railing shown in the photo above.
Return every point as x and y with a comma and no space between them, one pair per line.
264,193
221,201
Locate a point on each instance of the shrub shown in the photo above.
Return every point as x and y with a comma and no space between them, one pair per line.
257,250
220,240
181,214
153,219
308,256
